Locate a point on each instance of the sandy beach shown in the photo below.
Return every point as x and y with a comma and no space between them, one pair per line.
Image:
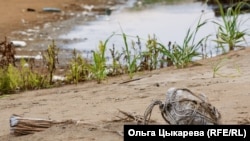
95,107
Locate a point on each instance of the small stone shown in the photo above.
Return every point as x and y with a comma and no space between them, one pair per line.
157,84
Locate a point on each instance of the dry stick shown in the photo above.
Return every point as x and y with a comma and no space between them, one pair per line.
137,118
127,114
130,80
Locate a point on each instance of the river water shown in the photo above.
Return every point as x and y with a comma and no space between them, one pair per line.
168,23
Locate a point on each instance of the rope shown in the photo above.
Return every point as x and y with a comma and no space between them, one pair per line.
194,112
149,110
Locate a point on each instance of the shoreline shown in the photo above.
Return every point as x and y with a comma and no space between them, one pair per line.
99,102
43,27
39,34
50,32
96,105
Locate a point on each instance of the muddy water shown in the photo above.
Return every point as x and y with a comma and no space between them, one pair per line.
168,23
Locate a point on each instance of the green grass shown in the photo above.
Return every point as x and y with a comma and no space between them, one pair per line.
31,79
131,59
182,55
13,79
229,32
155,54
78,69
98,68
217,66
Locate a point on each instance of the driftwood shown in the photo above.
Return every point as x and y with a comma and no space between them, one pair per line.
23,126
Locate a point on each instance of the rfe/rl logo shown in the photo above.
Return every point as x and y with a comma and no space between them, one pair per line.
226,132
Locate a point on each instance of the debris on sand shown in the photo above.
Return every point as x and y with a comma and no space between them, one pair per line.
19,43
182,106
51,9
24,126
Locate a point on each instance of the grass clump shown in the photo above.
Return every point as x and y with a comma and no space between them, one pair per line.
31,79
78,69
229,32
130,59
10,80
14,79
150,57
99,68
182,55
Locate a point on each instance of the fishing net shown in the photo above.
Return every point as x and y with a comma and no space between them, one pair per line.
182,107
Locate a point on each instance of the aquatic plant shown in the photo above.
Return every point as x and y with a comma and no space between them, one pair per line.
229,29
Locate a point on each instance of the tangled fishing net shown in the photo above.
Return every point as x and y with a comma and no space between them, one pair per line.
182,106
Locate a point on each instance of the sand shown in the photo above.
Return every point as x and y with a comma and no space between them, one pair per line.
96,106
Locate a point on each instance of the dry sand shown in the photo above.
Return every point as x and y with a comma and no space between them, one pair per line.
96,106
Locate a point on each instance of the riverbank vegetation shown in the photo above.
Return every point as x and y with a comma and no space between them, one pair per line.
15,77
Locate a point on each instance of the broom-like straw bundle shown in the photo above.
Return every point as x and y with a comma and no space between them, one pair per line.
23,126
